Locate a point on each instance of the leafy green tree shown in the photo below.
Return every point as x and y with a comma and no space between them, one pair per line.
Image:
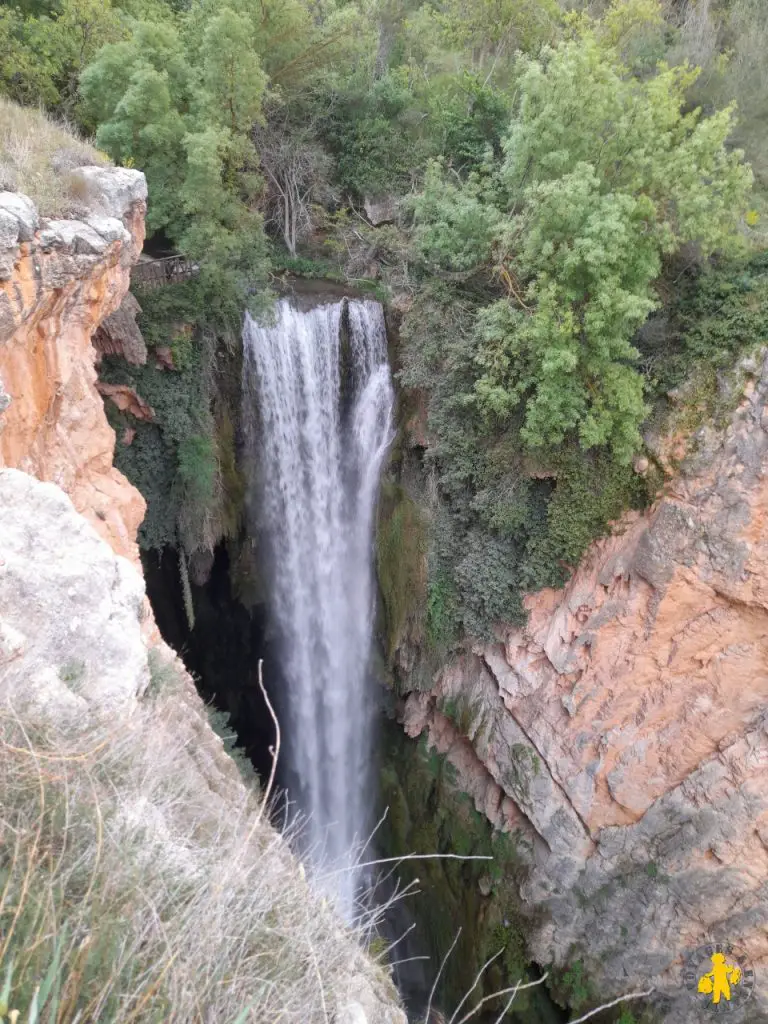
456,225
81,29
604,175
139,93
187,126
232,75
367,131
489,29
43,53
28,65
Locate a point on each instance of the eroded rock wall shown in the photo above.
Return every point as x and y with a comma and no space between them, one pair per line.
622,736
58,281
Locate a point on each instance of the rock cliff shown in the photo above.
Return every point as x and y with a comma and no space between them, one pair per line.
59,279
622,735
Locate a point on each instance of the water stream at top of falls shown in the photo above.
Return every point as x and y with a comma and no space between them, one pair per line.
319,414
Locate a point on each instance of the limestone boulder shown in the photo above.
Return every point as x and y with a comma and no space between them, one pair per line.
22,209
381,209
109,191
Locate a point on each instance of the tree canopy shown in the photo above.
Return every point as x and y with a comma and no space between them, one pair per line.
603,175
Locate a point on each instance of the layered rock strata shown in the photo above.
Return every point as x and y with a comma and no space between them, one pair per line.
59,279
622,735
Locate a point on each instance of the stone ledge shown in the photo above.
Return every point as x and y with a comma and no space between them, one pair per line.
109,196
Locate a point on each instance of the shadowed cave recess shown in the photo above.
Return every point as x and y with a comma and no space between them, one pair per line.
223,649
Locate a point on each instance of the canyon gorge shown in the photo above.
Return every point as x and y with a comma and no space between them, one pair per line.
81,657
618,738
383,511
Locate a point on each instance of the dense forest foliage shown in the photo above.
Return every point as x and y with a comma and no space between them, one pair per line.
578,236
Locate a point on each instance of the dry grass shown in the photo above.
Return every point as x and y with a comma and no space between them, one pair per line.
35,156
138,884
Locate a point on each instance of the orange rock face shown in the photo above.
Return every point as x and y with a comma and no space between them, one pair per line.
626,725
66,278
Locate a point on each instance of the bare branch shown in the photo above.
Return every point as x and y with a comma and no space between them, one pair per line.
438,976
614,1002
503,992
475,983
508,1003
275,752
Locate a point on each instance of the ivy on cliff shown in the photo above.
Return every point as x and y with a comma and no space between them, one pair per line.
183,462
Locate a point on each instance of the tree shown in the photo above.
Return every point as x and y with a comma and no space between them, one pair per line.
491,29
232,75
139,93
604,175
43,54
81,29
187,127
27,71
297,171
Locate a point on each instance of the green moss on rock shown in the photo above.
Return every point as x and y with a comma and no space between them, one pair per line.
401,566
428,814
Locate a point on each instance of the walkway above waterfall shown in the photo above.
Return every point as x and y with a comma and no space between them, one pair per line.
151,273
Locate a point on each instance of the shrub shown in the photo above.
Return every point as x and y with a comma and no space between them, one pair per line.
716,315
589,493
505,524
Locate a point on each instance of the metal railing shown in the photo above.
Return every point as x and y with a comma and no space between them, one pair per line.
168,270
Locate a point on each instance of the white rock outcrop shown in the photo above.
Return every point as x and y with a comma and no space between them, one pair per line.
70,609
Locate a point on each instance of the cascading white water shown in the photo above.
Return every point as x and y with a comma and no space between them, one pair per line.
323,429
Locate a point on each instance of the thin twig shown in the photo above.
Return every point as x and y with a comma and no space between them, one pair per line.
507,1005
503,992
397,941
375,829
615,1002
274,751
438,975
409,856
405,960
479,975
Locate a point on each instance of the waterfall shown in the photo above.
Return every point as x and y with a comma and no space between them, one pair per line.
317,404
